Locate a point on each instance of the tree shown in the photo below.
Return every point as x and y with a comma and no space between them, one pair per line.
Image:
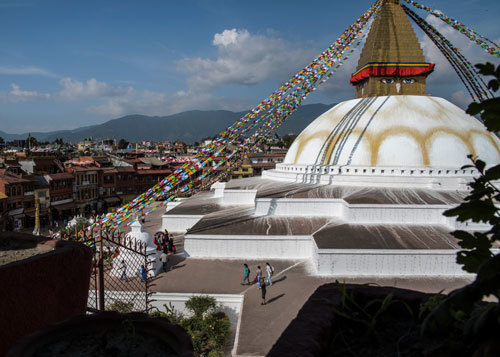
288,140
122,144
462,312
31,141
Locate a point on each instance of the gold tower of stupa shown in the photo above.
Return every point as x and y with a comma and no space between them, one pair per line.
392,61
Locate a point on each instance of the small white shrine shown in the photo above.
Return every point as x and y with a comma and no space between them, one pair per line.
138,234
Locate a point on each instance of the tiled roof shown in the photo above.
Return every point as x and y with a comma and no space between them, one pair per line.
150,172
9,177
61,176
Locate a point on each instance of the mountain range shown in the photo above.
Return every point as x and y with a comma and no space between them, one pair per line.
189,126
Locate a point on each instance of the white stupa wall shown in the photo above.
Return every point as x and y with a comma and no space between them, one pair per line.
410,177
327,262
239,197
248,246
399,262
178,223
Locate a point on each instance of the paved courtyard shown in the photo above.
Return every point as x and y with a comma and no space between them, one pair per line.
261,326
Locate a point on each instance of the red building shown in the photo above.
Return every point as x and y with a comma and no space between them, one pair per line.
3,212
125,180
147,178
20,202
85,187
61,194
40,166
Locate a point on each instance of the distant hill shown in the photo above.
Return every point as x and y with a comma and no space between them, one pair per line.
187,126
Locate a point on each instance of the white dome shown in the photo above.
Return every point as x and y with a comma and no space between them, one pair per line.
138,233
394,131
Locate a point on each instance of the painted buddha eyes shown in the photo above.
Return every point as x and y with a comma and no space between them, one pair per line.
390,80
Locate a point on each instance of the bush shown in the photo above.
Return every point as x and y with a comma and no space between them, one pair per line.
121,306
199,305
207,327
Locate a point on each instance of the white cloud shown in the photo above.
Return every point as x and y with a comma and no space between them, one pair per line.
228,37
26,71
16,95
92,88
459,98
158,103
245,59
444,76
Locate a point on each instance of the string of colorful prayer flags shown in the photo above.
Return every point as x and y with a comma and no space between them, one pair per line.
485,43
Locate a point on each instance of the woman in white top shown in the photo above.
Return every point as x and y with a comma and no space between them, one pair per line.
270,271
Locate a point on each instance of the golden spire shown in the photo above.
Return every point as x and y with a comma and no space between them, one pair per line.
392,61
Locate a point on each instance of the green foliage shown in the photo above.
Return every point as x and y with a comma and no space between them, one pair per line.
368,314
207,327
489,109
430,305
462,313
478,206
122,144
121,306
199,305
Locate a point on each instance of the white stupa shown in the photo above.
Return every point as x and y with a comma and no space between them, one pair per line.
139,235
363,188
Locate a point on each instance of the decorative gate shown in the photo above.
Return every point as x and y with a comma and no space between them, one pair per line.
120,278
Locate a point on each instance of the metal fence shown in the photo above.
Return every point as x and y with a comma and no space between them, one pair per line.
121,278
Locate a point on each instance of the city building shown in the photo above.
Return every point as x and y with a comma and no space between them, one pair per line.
20,202
3,212
125,181
41,166
266,160
42,199
61,194
244,170
85,187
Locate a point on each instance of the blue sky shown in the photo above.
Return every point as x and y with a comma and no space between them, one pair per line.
68,63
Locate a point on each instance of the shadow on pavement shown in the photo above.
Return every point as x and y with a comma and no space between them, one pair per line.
275,298
279,280
177,266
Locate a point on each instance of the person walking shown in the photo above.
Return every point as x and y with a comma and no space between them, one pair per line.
263,291
259,276
165,247
124,271
246,275
270,272
143,274
170,245
164,260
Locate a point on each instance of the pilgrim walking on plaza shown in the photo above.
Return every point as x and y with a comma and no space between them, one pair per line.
164,260
263,290
258,277
270,272
246,275
124,271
